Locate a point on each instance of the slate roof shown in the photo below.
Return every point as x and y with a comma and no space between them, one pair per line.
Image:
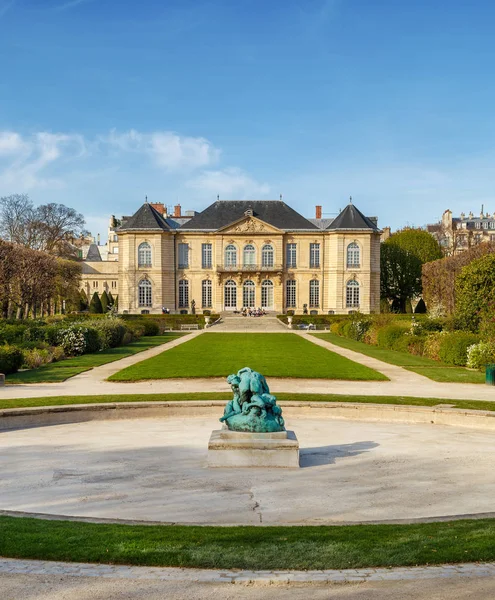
93,254
321,223
352,218
224,212
145,218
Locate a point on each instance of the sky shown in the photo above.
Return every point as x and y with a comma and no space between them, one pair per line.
104,102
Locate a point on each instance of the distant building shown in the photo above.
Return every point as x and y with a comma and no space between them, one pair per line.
458,234
237,254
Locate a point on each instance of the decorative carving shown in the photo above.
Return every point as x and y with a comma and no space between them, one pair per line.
250,225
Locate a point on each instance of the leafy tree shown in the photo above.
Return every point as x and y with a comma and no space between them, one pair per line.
475,291
400,278
418,242
439,276
95,306
104,302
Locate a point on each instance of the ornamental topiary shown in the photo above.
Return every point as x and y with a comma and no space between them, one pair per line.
105,302
95,306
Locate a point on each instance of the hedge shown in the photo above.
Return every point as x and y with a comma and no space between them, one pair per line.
454,346
11,359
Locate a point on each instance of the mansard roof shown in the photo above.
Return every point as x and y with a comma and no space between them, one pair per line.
93,254
352,218
146,218
224,212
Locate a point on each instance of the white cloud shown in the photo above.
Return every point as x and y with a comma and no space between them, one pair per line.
10,143
230,182
167,149
25,158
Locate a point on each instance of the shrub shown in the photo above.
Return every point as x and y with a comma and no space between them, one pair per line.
481,354
11,333
389,336
11,359
453,347
78,339
151,327
135,328
110,331
36,358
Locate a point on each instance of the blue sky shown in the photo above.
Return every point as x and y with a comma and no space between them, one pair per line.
390,101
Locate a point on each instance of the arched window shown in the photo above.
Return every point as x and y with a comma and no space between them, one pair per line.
144,255
314,293
206,293
230,300
267,255
144,293
248,294
290,293
183,293
267,294
352,294
231,256
249,258
353,255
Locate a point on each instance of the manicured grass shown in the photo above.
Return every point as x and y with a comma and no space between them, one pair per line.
273,354
432,369
60,371
334,547
281,397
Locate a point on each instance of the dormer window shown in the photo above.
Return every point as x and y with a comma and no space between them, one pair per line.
249,212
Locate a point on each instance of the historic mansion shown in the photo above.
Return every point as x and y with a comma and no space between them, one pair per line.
237,254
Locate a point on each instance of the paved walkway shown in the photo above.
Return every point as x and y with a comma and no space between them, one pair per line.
35,567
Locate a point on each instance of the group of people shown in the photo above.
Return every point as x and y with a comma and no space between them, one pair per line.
253,312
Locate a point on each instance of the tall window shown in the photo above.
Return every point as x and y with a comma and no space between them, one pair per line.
206,293
249,257
231,256
314,256
144,290
314,293
352,294
267,255
267,294
291,256
183,293
144,255
353,255
290,293
183,256
230,294
206,256
248,294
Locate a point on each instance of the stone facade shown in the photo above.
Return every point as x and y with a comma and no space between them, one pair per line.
458,234
254,259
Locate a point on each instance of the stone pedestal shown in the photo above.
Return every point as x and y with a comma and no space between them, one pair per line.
238,449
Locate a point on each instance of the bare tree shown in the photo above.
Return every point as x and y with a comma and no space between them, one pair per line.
49,227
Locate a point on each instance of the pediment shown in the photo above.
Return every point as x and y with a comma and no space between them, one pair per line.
249,224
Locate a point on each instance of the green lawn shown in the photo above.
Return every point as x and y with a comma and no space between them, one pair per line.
60,371
334,547
432,369
273,354
191,397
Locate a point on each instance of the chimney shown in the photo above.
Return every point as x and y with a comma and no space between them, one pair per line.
177,212
98,239
159,207
318,212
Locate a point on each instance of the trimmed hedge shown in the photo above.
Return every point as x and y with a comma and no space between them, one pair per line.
11,359
454,346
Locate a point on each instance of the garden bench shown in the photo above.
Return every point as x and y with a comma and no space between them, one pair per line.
189,326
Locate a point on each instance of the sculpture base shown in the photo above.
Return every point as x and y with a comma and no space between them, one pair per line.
239,449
